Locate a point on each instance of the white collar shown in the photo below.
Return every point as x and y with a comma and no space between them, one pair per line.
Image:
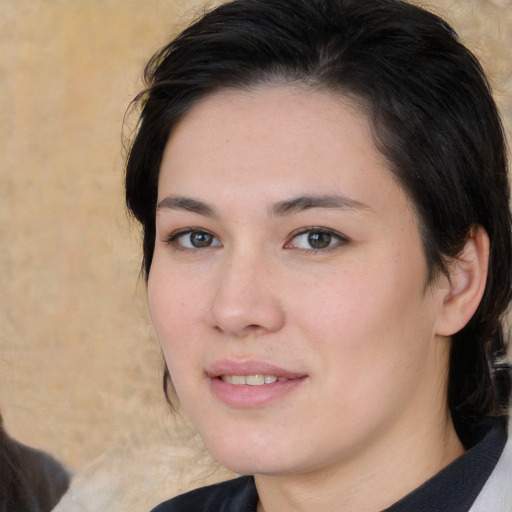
496,495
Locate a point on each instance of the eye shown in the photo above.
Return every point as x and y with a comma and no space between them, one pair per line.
315,239
194,239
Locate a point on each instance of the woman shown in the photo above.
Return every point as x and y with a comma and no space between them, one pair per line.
323,193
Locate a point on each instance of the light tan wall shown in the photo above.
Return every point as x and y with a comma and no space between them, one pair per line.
79,365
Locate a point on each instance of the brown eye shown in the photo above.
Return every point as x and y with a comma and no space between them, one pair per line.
319,240
316,239
200,240
194,240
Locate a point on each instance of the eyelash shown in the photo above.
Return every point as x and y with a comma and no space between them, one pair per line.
335,237
173,239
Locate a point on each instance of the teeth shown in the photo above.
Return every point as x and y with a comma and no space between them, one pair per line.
252,380
255,380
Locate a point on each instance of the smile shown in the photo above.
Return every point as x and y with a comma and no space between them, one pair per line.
250,384
251,380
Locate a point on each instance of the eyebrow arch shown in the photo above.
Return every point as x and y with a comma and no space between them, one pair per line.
188,204
302,203
280,209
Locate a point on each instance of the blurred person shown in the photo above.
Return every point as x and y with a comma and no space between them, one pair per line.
30,480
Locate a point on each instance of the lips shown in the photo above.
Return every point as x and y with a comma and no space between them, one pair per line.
251,384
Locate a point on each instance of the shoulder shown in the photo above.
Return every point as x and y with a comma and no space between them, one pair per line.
238,495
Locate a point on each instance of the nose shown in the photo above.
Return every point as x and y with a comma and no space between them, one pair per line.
246,299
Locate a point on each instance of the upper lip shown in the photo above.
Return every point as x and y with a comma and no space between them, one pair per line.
230,367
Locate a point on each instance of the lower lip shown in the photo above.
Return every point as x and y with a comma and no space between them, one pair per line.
246,397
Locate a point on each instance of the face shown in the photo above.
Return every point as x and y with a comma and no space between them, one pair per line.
288,284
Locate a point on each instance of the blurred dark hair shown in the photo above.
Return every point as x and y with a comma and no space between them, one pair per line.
30,480
432,115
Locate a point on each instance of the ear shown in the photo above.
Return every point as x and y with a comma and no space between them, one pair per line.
467,279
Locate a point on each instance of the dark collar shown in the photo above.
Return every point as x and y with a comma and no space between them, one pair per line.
455,488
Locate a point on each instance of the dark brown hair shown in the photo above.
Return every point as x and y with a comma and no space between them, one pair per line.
30,480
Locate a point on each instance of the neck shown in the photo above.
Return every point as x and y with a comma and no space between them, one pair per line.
369,481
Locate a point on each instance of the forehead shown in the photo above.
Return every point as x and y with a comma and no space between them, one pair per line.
236,134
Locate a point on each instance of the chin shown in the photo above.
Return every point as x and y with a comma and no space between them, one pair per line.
248,468
249,460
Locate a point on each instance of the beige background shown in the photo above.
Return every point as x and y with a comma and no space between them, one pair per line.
79,367
79,364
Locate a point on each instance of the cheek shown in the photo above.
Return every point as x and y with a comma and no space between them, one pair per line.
364,328
366,316
173,305
174,312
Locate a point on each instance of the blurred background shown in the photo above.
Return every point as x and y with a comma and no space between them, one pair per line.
79,363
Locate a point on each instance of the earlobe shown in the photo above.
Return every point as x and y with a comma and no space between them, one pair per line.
468,276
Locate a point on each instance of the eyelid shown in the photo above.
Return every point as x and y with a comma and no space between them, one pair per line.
342,239
172,239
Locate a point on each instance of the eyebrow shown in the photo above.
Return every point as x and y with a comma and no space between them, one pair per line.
280,209
307,202
188,204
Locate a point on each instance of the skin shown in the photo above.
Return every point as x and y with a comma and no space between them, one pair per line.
367,421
